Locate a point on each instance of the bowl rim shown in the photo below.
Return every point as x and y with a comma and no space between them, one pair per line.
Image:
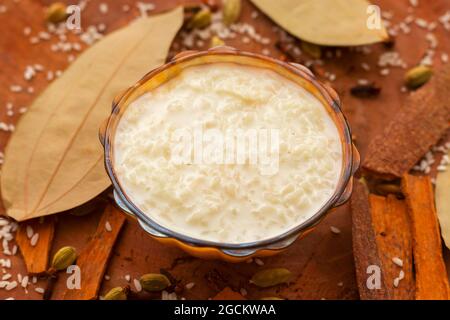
297,70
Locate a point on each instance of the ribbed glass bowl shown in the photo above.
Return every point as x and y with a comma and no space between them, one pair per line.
231,252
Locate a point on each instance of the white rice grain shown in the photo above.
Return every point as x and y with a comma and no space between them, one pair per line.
137,285
190,285
397,261
259,262
11,285
335,230
39,290
24,282
34,239
30,232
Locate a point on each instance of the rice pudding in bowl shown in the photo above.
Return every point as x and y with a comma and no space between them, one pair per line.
228,151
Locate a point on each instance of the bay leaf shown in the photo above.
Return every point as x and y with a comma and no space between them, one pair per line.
325,22
54,161
443,203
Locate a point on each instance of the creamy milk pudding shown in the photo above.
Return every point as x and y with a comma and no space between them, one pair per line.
228,153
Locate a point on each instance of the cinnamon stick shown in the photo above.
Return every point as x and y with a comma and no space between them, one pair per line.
228,294
94,258
35,244
365,248
394,242
431,274
417,126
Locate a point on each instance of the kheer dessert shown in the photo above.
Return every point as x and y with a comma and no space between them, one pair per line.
228,153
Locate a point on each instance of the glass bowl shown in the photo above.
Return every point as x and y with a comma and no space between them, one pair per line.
231,252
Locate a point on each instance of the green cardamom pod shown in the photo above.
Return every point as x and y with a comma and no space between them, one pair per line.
65,257
271,277
56,12
154,282
231,11
117,293
200,20
216,42
418,76
312,49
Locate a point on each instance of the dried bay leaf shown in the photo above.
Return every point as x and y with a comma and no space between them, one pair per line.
325,22
443,203
53,160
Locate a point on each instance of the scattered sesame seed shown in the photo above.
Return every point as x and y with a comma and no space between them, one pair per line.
108,226
127,278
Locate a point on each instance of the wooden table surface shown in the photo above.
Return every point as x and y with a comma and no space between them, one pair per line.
322,263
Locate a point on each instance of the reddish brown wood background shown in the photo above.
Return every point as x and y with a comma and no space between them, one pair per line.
322,263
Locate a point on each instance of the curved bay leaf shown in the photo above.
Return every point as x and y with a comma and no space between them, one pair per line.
54,161
443,203
324,22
